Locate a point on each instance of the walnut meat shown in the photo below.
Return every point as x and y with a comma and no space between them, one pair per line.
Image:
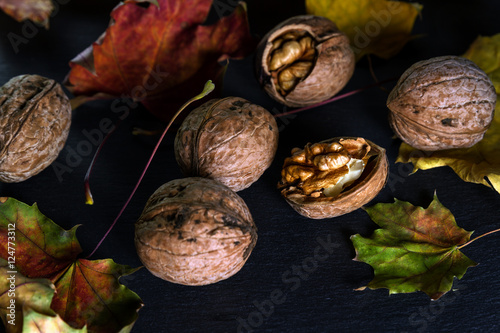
442,103
304,60
194,231
35,118
333,177
230,140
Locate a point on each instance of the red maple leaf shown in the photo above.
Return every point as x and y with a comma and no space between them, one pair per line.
159,54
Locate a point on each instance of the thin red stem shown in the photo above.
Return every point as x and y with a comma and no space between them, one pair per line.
336,98
481,236
134,190
208,88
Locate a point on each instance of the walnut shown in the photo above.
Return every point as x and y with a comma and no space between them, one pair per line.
230,140
35,118
442,103
195,231
304,60
333,177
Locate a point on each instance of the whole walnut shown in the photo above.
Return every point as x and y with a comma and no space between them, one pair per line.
442,103
230,140
35,118
333,177
304,60
195,231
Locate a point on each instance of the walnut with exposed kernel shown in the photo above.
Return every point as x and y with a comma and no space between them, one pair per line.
35,118
195,231
304,60
442,103
333,177
230,140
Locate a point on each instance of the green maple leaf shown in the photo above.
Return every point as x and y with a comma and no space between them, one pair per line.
416,249
87,292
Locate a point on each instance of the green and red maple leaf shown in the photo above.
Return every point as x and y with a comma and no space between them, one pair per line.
88,293
416,249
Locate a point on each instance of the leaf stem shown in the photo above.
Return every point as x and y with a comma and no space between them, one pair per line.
336,98
89,200
480,236
209,87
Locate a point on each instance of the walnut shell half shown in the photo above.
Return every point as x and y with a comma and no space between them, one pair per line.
333,177
35,118
304,60
230,140
194,231
442,103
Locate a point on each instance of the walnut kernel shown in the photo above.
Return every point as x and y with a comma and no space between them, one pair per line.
304,60
333,177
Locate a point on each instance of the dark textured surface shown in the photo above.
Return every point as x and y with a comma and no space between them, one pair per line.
304,266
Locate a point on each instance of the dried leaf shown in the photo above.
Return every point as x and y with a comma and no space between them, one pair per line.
416,249
378,27
18,292
485,52
480,163
42,248
37,11
35,322
157,55
87,292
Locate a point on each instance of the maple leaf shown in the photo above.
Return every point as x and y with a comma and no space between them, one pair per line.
37,11
157,55
87,292
485,52
378,27
35,322
42,248
25,303
480,163
18,291
416,249
93,286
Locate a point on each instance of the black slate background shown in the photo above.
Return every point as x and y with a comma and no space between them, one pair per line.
320,296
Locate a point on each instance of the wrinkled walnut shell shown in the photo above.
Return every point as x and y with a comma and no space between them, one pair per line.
332,66
35,118
356,195
230,140
194,231
442,103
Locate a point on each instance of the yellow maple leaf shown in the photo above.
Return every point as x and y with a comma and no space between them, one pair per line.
378,27
474,164
480,163
485,52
